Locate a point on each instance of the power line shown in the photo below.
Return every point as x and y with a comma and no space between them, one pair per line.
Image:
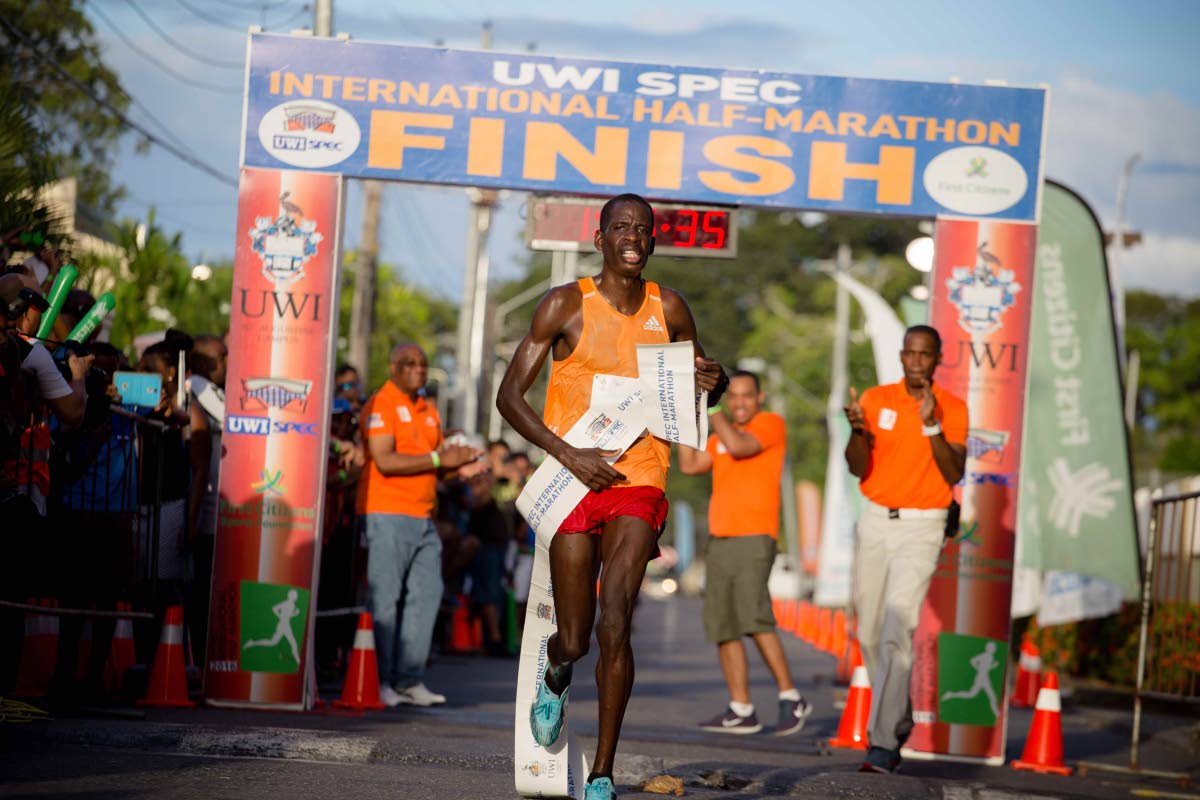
178,152
254,6
154,60
222,24
166,37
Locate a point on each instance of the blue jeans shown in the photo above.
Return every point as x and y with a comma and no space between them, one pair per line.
404,568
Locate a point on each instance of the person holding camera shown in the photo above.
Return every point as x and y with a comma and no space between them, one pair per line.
397,495
908,448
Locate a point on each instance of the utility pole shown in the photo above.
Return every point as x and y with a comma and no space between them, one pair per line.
323,18
362,309
473,311
1114,258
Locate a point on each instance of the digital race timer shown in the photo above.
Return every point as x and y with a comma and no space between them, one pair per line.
680,229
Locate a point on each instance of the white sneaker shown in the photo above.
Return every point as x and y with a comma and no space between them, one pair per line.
419,695
390,697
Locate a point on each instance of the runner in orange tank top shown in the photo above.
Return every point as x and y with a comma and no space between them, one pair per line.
593,327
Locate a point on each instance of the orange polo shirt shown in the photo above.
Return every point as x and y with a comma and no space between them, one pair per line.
417,430
901,472
745,497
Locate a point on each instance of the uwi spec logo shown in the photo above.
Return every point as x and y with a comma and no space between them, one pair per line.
264,426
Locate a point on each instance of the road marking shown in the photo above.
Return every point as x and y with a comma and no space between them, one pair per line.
979,792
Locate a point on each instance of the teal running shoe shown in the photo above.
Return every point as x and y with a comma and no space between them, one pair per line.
547,713
600,789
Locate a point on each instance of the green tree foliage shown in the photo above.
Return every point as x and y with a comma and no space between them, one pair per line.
402,314
81,134
1166,333
25,166
150,281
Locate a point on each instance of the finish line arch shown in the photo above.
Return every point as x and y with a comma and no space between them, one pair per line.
320,110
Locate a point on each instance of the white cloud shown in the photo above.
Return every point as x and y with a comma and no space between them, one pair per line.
1163,264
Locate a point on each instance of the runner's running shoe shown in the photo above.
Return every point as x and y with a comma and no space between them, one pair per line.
792,714
547,713
731,722
599,789
880,759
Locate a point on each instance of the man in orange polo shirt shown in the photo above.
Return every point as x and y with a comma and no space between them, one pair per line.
745,453
908,447
396,498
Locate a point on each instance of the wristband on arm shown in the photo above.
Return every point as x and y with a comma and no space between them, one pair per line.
435,458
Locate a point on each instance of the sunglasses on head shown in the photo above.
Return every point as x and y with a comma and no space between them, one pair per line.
34,238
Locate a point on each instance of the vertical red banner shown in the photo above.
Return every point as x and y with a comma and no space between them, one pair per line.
982,288
283,326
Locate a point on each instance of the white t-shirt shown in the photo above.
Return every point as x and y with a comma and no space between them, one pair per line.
51,384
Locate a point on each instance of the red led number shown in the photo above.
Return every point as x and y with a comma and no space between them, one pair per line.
712,224
685,222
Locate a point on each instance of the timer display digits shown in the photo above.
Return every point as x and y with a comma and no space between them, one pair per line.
559,223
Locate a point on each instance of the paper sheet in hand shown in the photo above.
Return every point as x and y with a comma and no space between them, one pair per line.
553,491
675,409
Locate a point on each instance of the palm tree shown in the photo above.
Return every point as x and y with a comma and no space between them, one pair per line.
25,168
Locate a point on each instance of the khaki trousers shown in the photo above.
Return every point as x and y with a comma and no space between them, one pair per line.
894,560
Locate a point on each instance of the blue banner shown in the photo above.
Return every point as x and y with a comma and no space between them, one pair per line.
579,126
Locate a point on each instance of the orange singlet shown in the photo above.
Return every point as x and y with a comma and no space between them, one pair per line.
608,346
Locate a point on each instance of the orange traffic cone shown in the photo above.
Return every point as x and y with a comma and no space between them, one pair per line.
808,627
789,615
825,631
361,689
39,653
797,626
837,636
168,681
1044,746
852,730
121,655
1029,674
461,635
476,634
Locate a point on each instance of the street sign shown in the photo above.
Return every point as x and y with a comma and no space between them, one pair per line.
680,229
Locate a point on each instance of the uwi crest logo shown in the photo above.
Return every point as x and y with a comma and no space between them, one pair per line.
285,243
982,293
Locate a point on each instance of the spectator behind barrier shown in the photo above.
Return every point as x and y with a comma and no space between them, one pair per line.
347,385
29,382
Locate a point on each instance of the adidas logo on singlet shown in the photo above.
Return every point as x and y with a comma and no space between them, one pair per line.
652,324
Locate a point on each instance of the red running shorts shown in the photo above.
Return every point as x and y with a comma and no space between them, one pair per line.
597,509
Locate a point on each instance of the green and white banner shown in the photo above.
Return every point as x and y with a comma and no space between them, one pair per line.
1076,499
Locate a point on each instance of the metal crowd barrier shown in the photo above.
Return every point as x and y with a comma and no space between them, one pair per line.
1168,665
126,470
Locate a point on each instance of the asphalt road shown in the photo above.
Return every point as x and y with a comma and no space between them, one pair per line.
463,750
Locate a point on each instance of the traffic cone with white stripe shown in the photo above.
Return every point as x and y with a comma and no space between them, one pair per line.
1044,747
39,653
168,679
361,689
852,730
1029,674
121,656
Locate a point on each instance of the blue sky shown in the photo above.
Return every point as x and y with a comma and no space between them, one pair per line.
1123,78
